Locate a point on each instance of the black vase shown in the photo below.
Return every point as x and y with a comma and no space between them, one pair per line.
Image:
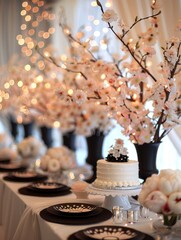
46,135
28,129
14,128
69,140
94,152
147,154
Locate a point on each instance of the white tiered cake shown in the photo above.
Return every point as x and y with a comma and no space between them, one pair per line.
116,174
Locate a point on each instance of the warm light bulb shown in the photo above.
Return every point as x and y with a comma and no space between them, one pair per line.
66,31
47,85
24,4
6,85
103,76
46,54
105,30
39,78
96,22
20,84
27,67
70,92
11,82
97,34
108,4
134,96
28,18
23,13
56,124
93,3
34,101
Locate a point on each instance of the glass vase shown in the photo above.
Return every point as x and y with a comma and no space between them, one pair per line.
168,226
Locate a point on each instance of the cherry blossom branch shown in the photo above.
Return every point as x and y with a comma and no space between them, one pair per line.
52,60
126,45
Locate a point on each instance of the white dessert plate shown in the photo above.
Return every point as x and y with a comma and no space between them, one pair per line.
24,174
112,233
48,186
10,166
75,208
128,188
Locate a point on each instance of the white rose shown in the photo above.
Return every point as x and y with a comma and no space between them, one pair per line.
167,186
150,185
44,162
109,16
174,202
155,201
54,165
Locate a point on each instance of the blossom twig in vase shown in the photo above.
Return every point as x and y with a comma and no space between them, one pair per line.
150,104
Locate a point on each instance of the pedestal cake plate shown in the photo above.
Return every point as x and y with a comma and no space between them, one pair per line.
119,196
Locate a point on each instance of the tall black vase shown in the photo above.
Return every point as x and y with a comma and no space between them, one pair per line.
14,128
46,135
69,140
28,129
94,152
147,154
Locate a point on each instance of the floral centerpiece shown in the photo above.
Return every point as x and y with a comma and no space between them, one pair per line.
118,153
162,194
30,149
58,159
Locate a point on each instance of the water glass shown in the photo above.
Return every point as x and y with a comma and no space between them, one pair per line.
118,213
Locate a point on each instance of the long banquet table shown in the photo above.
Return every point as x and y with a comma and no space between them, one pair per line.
20,219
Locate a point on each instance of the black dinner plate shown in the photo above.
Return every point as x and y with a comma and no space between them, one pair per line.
30,192
80,235
10,167
5,161
101,217
115,232
48,187
14,177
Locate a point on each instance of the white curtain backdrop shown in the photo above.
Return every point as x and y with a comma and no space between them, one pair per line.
9,28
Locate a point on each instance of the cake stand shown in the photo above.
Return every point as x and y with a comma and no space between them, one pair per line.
118,196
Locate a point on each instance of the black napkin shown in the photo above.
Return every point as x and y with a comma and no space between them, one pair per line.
30,192
102,216
12,178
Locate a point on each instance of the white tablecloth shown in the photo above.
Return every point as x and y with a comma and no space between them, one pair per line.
19,215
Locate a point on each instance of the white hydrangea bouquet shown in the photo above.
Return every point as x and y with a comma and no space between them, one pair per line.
162,194
30,149
58,159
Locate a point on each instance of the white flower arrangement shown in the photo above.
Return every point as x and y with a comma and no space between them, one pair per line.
31,148
118,152
162,193
58,159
